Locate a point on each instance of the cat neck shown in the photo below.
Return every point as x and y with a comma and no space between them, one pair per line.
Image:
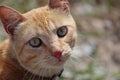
16,71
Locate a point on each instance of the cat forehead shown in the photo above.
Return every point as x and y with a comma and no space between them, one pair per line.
43,20
46,17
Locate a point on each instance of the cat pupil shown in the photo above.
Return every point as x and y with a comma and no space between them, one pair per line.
35,42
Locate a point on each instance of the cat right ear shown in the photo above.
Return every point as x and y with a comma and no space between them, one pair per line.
10,19
60,5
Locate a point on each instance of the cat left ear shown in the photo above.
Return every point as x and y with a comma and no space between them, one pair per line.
60,5
10,19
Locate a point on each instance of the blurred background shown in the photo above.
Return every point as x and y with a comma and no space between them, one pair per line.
98,45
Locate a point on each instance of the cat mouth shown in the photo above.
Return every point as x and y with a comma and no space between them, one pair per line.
56,62
60,61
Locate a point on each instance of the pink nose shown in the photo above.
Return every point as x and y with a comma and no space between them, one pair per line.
58,55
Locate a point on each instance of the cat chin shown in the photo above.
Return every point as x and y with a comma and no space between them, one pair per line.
48,72
45,72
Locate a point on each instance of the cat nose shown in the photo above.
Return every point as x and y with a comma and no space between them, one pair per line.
57,54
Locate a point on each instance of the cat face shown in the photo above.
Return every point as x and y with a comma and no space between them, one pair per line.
42,38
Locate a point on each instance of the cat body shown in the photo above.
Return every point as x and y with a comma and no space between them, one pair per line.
40,41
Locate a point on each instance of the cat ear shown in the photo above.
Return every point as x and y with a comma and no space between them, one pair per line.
61,5
10,19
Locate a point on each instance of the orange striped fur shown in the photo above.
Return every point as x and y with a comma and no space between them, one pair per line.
16,55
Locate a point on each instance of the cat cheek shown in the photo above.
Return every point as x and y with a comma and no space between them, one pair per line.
72,43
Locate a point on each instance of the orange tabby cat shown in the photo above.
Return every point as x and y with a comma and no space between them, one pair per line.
40,41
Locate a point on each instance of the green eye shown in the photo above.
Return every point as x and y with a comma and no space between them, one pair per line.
35,42
62,31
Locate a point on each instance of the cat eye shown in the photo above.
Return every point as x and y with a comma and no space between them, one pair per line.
35,42
62,31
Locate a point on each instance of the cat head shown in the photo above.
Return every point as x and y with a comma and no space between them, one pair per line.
42,38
